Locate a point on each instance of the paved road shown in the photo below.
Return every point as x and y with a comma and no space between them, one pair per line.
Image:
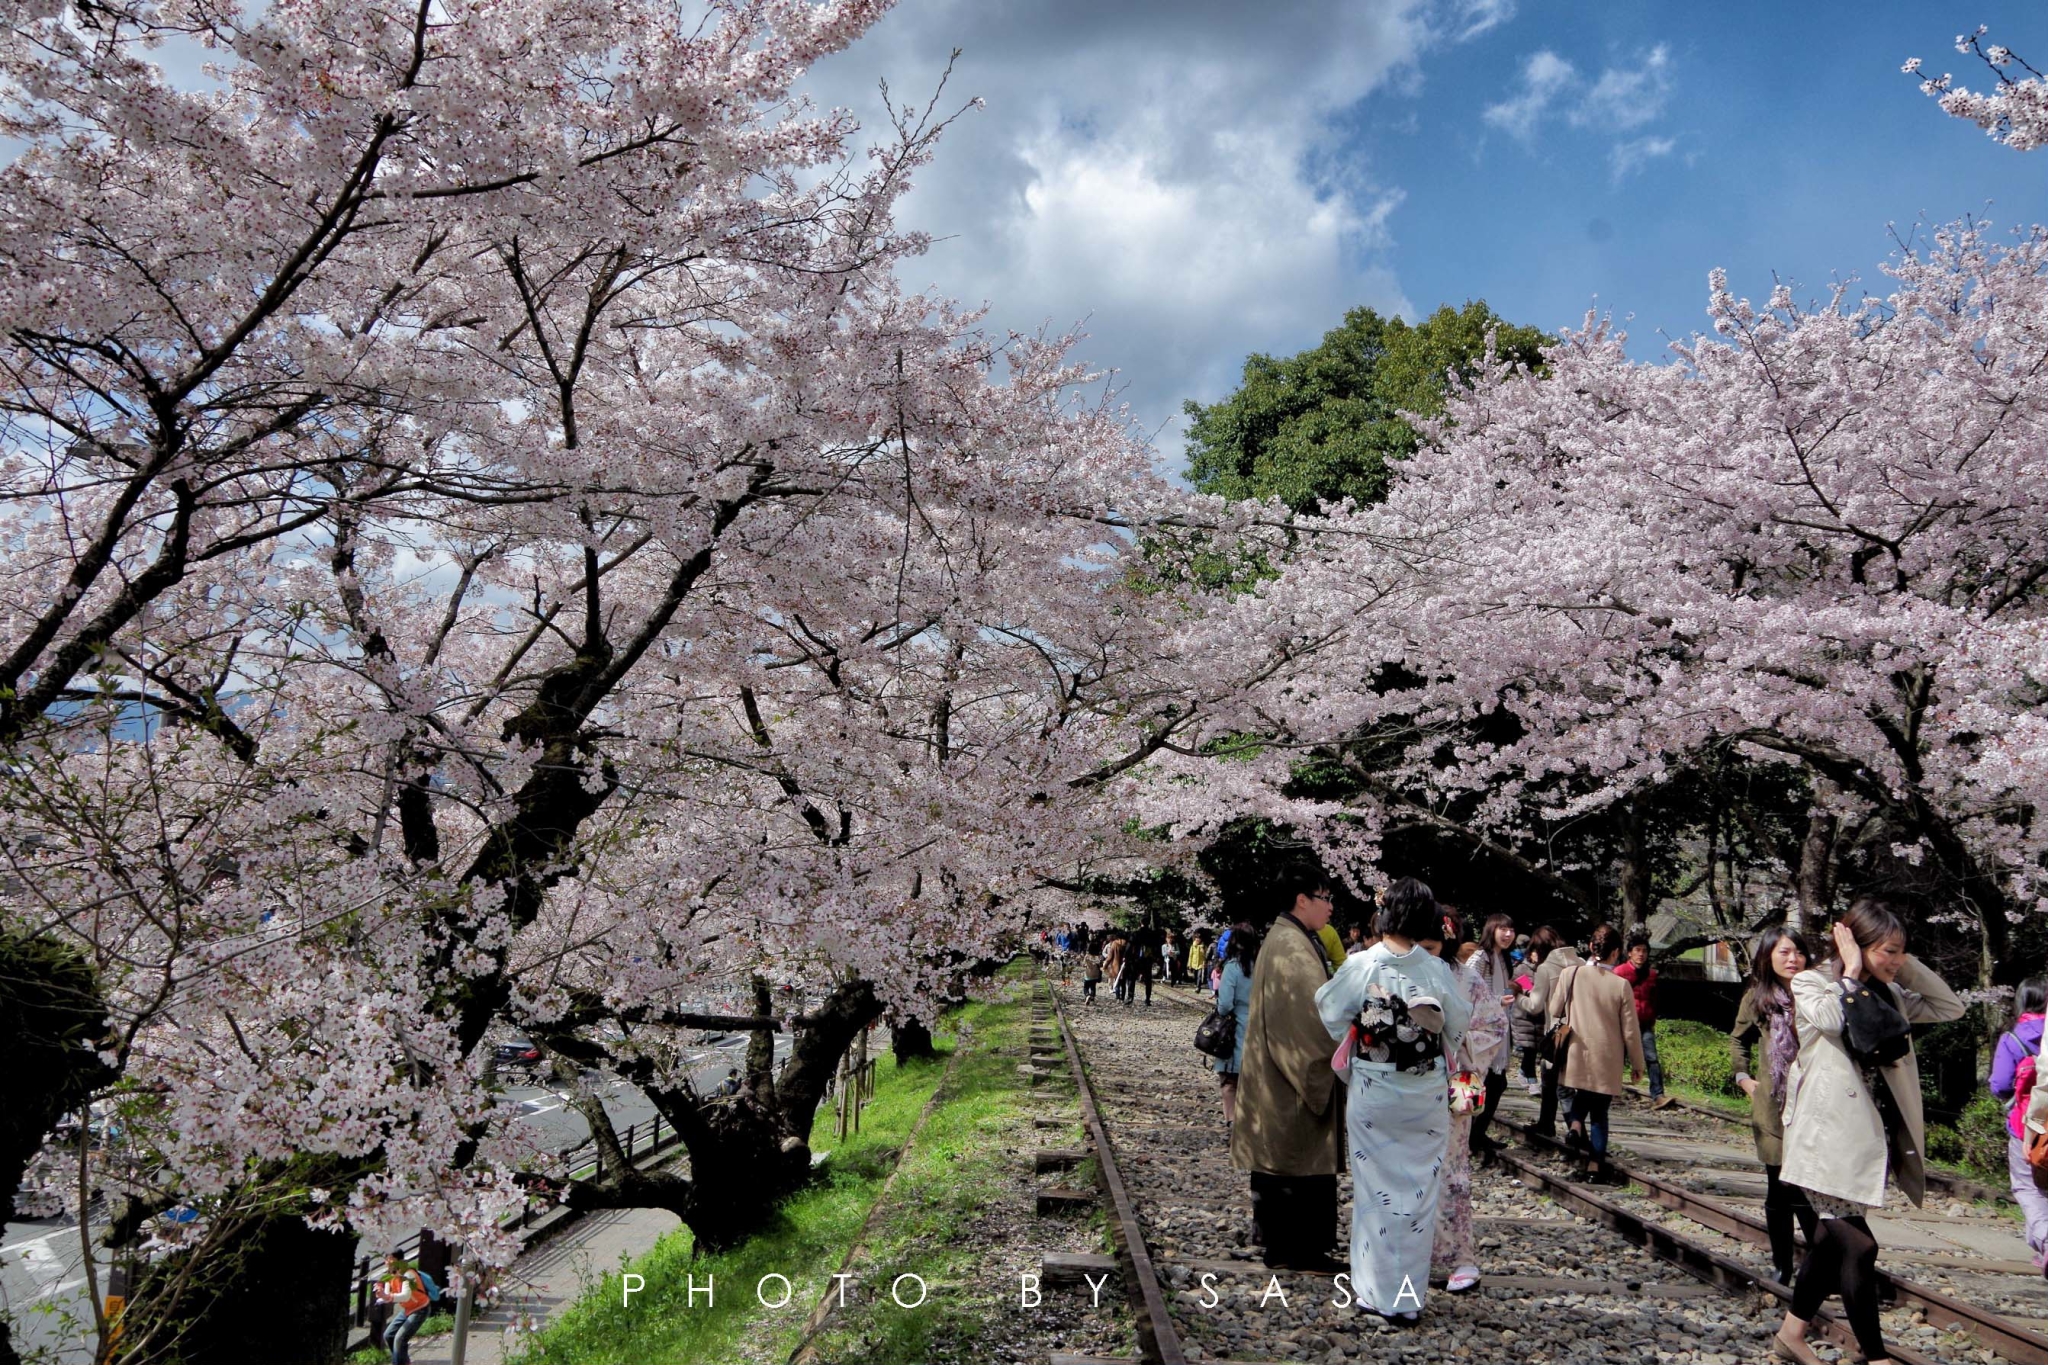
42,1278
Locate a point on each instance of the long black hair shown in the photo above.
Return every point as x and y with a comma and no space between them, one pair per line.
1767,994
1244,946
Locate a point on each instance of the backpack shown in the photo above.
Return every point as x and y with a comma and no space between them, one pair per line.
2023,1078
427,1283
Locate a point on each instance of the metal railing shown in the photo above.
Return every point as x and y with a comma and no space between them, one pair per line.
638,1140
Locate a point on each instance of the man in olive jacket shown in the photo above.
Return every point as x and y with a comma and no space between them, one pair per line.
1287,1133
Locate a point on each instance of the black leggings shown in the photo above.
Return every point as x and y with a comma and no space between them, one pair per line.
1843,1258
1782,1204
1496,1082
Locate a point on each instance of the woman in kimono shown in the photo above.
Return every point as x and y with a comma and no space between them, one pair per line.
1484,1048
1408,1011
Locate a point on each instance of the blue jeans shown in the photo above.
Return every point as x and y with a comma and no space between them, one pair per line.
1589,1111
398,1335
1650,1062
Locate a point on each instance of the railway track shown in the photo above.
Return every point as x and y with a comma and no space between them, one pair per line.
1574,1273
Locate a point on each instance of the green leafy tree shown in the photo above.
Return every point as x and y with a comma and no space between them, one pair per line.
1323,425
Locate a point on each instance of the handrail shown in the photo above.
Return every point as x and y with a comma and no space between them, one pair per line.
640,1139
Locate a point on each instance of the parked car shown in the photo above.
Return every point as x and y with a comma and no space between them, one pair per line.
518,1054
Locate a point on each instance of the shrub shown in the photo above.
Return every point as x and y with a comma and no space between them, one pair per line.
1981,1136
1695,1056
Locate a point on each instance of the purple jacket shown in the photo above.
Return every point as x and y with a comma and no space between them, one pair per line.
2005,1059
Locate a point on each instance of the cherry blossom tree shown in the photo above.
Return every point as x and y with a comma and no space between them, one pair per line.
1812,537
490,538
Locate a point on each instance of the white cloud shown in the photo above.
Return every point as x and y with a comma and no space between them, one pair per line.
1628,97
1164,169
1629,157
1622,100
1545,76
1475,17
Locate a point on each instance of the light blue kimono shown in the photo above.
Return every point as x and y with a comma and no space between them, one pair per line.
1398,1121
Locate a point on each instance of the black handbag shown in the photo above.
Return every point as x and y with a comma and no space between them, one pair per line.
1556,1045
1873,1030
1217,1035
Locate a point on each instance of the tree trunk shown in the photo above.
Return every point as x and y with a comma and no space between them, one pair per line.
1634,870
1815,883
51,1015
910,1040
746,1153
274,1290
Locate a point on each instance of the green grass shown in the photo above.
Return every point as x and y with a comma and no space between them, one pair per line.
805,1239
964,1158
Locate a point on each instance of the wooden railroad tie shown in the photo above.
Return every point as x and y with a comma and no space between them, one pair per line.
1059,1199
1052,1123
1058,1159
1075,1267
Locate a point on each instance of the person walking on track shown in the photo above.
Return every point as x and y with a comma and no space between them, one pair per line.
1114,953
1525,1029
1473,1062
1642,979
1234,998
1398,1011
1286,1135
1601,1010
1495,964
1558,957
1853,1117
1761,1048
2015,1075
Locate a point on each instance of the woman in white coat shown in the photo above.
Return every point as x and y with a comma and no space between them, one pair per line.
1851,1121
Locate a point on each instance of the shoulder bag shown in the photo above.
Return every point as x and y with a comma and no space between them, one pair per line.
1873,1030
1558,1042
1217,1035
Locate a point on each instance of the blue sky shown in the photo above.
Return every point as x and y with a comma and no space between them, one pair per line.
1196,179
1785,146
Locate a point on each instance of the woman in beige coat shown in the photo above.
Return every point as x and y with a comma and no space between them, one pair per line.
1601,1008
1849,1124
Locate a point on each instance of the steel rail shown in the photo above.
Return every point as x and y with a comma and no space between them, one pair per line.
2000,1334
1962,1187
1158,1342
1695,1258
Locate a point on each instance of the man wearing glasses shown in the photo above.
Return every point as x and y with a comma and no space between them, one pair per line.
1286,1133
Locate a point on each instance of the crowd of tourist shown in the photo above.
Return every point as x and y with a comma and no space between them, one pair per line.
1431,1022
